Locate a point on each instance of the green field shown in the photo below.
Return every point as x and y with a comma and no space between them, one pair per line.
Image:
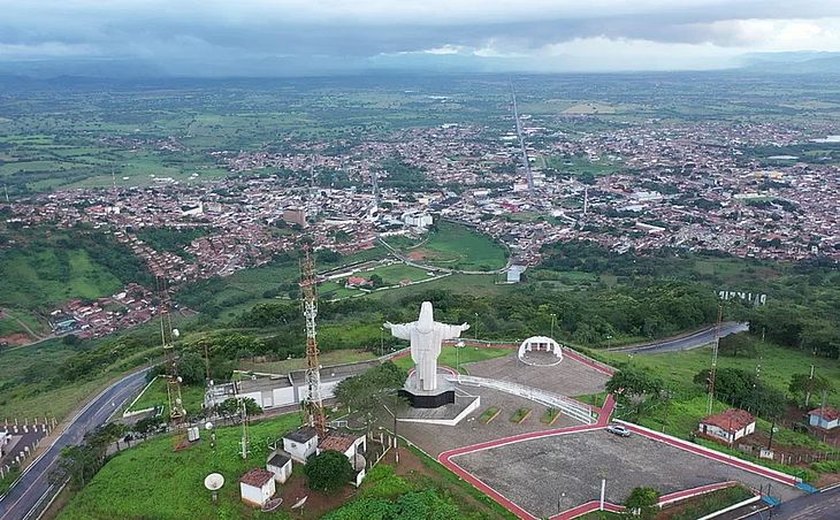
578,166
123,489
48,277
156,395
455,246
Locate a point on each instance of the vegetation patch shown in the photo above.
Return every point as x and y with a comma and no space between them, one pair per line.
456,246
489,414
520,415
550,416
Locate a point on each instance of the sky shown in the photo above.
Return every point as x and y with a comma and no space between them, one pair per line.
286,37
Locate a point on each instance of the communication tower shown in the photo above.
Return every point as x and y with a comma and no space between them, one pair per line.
713,369
314,403
167,338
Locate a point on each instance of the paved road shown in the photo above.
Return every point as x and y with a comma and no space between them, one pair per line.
33,487
687,342
820,506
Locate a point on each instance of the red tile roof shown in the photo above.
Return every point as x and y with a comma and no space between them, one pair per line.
828,413
257,477
338,442
731,420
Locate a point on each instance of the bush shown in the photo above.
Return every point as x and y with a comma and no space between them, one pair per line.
328,471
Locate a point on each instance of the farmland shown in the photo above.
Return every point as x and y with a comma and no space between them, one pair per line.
455,246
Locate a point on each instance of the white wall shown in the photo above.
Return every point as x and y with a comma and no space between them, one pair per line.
284,396
255,495
300,451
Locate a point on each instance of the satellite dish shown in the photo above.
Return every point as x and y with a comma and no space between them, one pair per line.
176,333
208,425
214,481
299,503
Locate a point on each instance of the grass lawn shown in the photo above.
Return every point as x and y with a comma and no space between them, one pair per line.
489,414
458,247
449,356
124,489
333,357
155,395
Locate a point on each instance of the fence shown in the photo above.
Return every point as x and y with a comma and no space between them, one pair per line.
570,407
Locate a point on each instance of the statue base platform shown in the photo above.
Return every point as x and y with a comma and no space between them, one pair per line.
418,398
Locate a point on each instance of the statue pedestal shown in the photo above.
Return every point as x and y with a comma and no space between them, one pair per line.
418,398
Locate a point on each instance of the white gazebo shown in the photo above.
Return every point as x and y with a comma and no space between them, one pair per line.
540,351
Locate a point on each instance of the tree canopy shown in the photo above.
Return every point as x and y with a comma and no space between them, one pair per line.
328,471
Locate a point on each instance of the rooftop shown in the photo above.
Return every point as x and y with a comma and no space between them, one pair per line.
337,441
279,459
302,434
731,420
828,413
257,477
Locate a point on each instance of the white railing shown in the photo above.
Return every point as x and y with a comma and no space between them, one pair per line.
570,407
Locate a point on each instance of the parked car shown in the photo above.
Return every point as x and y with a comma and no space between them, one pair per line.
619,430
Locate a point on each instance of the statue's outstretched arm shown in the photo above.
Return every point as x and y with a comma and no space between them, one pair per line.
402,330
454,331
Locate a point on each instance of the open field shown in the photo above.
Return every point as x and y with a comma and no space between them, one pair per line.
456,246
123,489
156,395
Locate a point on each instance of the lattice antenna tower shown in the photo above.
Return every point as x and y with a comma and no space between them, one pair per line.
167,338
309,296
245,440
713,369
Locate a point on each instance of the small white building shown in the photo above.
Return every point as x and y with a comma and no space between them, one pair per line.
280,464
826,417
257,487
301,443
728,426
417,220
349,445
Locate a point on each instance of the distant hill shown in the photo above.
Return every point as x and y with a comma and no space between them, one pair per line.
793,62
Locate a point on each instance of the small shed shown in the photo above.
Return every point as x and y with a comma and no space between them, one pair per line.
349,445
301,443
280,465
257,487
728,426
825,417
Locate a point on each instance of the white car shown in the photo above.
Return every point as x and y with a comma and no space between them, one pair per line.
619,430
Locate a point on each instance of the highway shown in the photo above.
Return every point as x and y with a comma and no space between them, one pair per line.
33,488
686,342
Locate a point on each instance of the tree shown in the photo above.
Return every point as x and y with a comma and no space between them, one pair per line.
802,384
642,502
229,408
328,471
191,368
367,391
632,386
376,281
738,345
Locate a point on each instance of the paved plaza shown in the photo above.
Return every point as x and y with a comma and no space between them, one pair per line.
552,474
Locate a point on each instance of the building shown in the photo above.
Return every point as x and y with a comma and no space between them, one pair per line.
728,426
295,215
417,220
257,487
514,273
301,443
349,445
280,465
826,417
357,281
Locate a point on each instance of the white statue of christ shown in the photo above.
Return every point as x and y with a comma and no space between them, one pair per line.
426,336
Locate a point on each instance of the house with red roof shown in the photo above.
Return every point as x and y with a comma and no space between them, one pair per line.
825,417
728,426
257,487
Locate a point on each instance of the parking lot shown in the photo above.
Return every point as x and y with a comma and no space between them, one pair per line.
551,474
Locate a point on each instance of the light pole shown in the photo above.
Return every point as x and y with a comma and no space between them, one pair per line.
476,326
553,319
609,341
380,341
458,347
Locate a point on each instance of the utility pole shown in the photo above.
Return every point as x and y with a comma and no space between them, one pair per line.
476,326
553,319
713,369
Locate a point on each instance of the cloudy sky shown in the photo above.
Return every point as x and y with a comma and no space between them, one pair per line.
271,37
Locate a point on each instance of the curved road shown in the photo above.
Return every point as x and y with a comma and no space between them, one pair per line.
33,488
819,506
686,342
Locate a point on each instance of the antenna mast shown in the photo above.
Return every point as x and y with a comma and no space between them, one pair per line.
713,370
308,287
177,413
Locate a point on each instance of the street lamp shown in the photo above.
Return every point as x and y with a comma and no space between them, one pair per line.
476,326
553,319
458,347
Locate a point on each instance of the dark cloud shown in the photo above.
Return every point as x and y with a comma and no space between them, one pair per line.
189,31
